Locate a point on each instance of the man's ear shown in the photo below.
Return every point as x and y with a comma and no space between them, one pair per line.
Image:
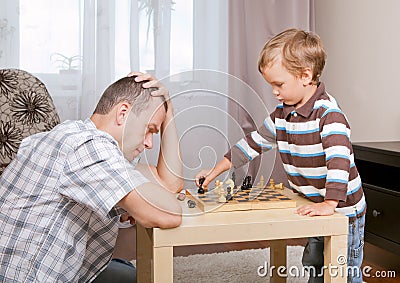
122,111
306,76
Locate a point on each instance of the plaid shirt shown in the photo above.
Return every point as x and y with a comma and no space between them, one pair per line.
58,214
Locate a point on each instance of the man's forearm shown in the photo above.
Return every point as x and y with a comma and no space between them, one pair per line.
169,164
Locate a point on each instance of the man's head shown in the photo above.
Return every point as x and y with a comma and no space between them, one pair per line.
297,50
128,90
130,113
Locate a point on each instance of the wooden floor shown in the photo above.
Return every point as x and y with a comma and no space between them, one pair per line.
379,260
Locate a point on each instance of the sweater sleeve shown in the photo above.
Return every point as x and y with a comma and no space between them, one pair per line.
335,136
253,144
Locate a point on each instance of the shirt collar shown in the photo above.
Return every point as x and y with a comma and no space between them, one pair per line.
90,123
308,107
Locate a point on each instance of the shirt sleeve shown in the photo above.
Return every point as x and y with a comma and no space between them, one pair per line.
253,144
98,176
335,136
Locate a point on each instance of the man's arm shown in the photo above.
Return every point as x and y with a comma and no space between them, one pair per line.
169,170
153,206
169,166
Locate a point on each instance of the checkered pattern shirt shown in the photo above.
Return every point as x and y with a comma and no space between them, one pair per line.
58,213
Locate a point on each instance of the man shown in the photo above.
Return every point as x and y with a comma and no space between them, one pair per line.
61,197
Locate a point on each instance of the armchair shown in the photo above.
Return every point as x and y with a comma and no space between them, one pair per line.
26,108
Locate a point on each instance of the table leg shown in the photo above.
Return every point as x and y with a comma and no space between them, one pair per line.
335,258
163,264
278,259
144,253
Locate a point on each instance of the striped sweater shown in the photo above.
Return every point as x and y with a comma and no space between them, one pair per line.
316,151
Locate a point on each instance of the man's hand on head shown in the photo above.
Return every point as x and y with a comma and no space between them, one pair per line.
151,82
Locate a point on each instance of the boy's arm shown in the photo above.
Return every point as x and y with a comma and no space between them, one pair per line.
254,144
326,207
335,138
210,174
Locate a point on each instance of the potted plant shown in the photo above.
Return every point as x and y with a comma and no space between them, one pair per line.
69,69
67,64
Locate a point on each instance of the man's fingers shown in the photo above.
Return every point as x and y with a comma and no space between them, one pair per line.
134,73
144,77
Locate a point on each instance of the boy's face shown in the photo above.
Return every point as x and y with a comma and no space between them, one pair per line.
139,130
287,88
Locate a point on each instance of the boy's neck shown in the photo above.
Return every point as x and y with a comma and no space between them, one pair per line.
308,93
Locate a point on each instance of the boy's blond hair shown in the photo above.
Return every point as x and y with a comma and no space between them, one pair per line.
298,49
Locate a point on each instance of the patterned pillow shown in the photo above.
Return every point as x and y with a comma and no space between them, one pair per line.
26,108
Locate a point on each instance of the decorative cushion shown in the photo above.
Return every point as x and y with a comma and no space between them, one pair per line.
26,108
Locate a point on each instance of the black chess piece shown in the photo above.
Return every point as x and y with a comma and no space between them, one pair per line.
243,187
248,183
229,195
201,181
191,203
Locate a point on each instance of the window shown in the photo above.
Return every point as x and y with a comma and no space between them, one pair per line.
51,36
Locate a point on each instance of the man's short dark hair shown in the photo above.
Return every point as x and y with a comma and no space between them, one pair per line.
126,90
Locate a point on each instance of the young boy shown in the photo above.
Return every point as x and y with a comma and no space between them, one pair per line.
313,138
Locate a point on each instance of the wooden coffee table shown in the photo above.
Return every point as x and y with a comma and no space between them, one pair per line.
154,246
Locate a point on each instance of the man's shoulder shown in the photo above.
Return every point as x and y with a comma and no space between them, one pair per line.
79,132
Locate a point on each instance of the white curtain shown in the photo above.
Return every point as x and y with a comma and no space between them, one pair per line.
100,22
251,25
9,33
108,40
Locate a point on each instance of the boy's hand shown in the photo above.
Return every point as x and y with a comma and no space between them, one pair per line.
210,174
323,208
203,173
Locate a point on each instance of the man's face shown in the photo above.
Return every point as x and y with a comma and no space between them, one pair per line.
287,88
139,130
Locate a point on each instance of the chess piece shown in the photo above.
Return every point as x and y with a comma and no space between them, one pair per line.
229,195
271,184
221,193
279,186
191,203
201,189
230,183
243,187
216,189
181,196
261,184
248,184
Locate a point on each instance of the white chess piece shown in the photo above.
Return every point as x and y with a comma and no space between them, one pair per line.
221,192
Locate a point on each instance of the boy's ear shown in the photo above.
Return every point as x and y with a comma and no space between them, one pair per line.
122,112
306,76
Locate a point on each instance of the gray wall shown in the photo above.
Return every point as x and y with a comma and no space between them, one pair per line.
362,39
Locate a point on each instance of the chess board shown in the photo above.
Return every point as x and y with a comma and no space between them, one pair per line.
242,200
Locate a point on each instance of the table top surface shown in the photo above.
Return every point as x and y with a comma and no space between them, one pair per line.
237,225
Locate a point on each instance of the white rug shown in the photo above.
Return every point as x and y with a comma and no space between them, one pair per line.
234,267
